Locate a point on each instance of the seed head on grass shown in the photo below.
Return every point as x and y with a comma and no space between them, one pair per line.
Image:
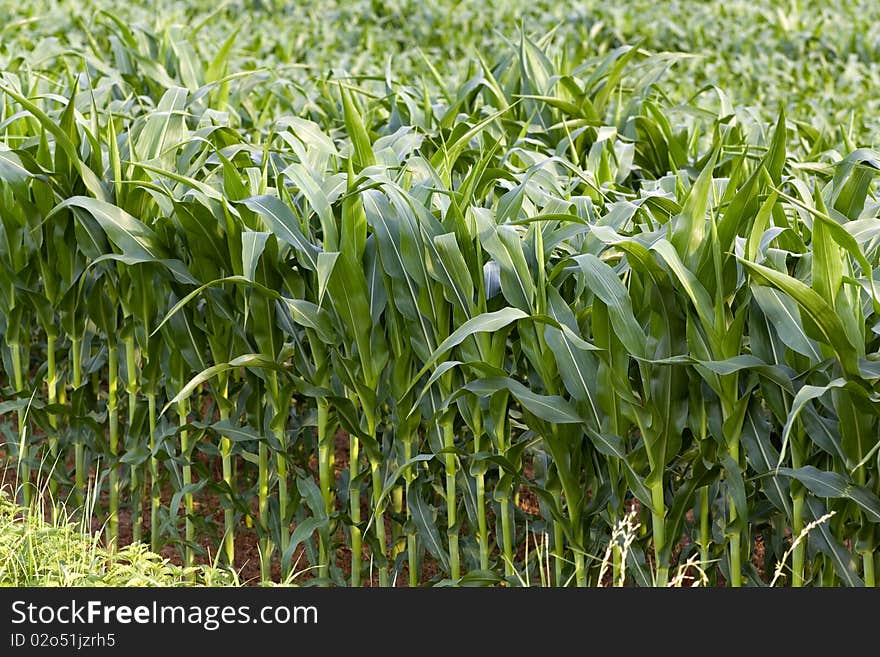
802,536
623,534
685,572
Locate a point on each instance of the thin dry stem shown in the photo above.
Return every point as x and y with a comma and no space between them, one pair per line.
800,537
623,534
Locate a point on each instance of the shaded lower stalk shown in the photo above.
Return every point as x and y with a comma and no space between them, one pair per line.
155,490
619,512
283,499
396,527
705,529
52,384
281,409
798,557
735,552
412,557
797,526
398,542
377,505
137,520
559,553
265,544
451,520
189,507
867,555
482,524
573,510
658,523
113,419
229,480
507,536
79,453
24,469
354,495
828,577
325,479
736,537
570,492
580,569
616,564
868,561
229,512
381,537
266,547
506,516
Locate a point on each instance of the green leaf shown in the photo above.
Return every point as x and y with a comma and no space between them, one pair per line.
578,369
313,190
235,432
307,314
503,243
804,395
175,267
604,283
689,230
827,274
347,287
763,457
165,127
551,408
832,484
852,179
824,318
281,221
363,155
304,529
12,172
827,543
690,285
761,223
252,245
247,360
425,520
613,447
392,480
736,491
785,316
448,267
237,280
91,180
131,236
485,323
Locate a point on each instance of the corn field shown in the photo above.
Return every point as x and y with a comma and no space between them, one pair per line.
417,313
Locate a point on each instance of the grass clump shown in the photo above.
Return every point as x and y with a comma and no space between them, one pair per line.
62,552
